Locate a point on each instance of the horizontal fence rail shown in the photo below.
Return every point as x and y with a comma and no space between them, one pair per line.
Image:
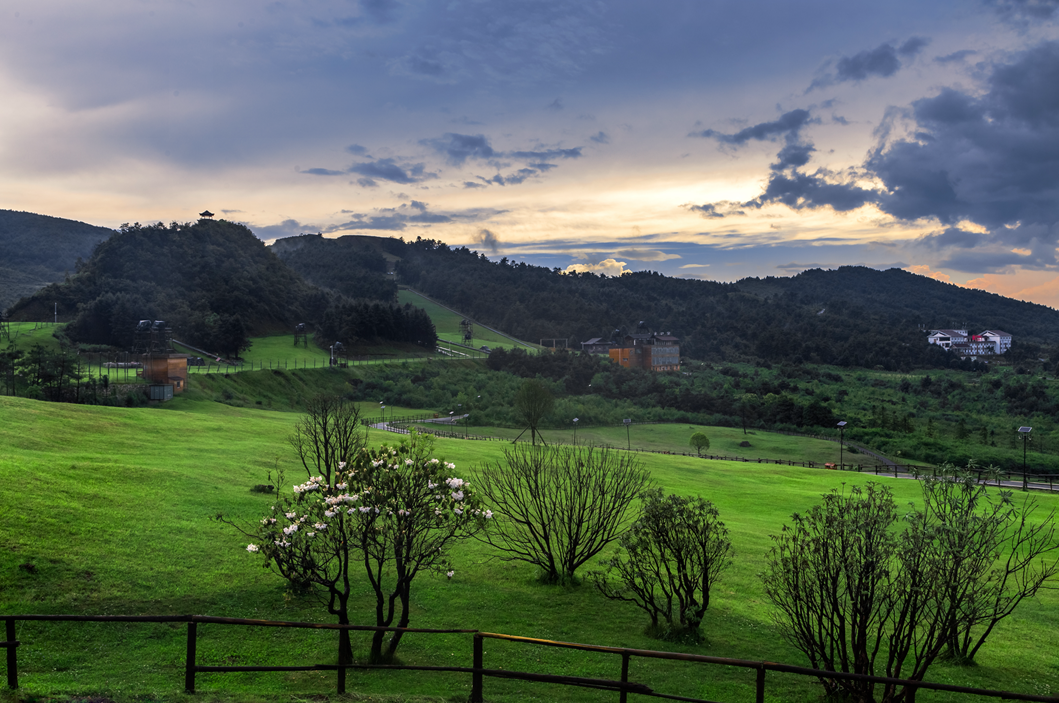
478,672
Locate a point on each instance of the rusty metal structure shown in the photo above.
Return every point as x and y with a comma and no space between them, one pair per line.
301,335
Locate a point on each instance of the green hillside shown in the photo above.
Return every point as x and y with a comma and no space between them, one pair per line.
215,284
118,521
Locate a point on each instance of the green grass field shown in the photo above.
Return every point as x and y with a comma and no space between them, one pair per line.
25,335
673,437
447,324
109,510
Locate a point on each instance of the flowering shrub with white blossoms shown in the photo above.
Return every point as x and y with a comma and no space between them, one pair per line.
396,506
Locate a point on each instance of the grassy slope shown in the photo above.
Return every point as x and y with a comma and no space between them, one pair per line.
112,507
25,335
447,324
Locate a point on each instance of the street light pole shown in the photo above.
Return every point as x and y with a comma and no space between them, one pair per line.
575,431
1025,432
628,437
841,439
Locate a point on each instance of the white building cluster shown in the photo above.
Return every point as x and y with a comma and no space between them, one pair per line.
988,343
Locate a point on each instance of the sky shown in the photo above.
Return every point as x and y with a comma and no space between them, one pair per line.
712,140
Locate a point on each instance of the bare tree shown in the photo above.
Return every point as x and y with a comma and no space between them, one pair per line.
329,434
995,553
533,402
557,507
673,555
829,576
858,596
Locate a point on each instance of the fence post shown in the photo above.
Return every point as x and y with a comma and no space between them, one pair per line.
624,696
476,677
12,654
189,664
760,684
341,664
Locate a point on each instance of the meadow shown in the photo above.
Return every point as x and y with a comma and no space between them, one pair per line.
447,324
111,510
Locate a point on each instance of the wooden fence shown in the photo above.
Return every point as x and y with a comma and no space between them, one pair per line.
478,672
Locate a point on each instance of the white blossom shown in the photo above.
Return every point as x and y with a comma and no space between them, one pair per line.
252,548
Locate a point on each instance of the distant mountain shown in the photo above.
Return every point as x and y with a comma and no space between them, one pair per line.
915,299
36,250
853,316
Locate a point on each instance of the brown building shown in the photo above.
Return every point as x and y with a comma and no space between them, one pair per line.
166,369
648,350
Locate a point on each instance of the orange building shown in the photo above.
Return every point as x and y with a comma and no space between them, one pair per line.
648,350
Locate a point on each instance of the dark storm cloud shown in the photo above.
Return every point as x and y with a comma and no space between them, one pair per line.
788,123
357,149
574,153
390,170
984,261
413,213
286,228
323,172
991,158
716,210
488,240
952,237
792,156
1023,11
883,61
457,148
802,190
707,210
601,138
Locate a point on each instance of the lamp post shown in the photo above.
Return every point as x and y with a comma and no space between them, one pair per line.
383,409
841,438
575,431
628,437
1025,433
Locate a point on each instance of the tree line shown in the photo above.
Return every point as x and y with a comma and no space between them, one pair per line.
852,317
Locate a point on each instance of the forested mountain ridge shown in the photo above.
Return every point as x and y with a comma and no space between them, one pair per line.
852,316
36,250
353,266
216,284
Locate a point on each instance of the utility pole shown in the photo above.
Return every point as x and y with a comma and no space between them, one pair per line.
841,438
1024,432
